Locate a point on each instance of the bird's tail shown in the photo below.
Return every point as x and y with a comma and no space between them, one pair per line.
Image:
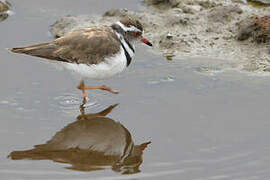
44,50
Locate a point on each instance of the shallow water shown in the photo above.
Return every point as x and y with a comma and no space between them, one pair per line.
203,126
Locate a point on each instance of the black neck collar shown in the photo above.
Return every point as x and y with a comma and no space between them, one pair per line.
119,30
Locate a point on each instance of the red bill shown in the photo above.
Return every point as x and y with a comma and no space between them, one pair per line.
145,41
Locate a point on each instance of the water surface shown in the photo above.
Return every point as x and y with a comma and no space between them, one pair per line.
202,125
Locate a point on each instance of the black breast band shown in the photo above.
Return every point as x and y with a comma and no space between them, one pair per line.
126,54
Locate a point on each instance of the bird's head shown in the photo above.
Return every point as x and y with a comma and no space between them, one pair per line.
131,29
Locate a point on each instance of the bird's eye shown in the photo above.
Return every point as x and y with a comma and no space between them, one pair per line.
137,34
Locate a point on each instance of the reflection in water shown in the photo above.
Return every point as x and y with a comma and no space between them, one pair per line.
93,142
4,10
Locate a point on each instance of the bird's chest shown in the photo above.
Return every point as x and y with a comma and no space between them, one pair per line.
115,64
105,69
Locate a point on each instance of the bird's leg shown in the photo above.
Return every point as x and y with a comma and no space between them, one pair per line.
103,87
82,87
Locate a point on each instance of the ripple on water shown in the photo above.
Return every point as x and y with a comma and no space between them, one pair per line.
72,102
16,103
162,80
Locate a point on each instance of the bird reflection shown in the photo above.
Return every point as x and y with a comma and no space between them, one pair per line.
92,142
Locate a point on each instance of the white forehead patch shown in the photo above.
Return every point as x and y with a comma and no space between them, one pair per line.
125,28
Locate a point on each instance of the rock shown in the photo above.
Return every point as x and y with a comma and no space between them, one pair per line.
256,27
4,10
166,41
176,17
69,23
4,6
169,36
188,5
245,29
155,2
240,1
116,12
161,4
208,3
171,43
224,14
63,25
190,9
265,2
262,29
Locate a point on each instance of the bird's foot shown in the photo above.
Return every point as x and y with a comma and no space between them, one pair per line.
82,87
106,88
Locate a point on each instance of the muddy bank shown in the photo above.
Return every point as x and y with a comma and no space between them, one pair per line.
205,28
261,2
4,6
4,10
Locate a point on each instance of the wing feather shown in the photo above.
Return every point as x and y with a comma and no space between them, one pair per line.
87,45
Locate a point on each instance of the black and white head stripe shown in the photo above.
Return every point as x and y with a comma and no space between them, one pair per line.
129,28
129,50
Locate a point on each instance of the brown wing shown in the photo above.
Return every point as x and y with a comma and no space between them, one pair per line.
87,45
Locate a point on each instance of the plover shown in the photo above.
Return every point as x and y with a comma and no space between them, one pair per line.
93,52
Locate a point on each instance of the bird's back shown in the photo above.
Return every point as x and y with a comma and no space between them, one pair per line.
83,46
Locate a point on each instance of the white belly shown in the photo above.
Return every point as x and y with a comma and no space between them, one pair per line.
105,69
